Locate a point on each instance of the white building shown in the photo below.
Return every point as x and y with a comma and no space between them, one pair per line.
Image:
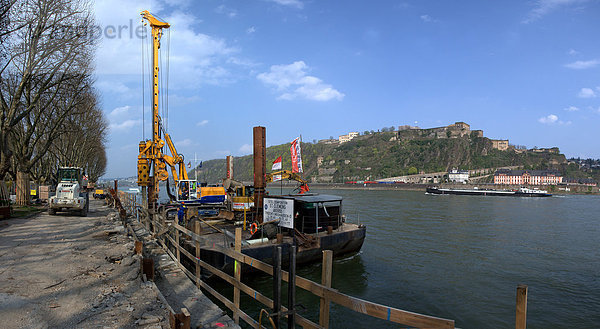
458,176
348,137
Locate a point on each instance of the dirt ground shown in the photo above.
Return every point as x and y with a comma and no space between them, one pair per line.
67,271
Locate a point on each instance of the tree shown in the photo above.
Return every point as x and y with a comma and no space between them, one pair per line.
366,132
49,67
412,171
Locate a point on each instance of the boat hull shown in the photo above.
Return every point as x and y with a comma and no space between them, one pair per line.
435,190
341,242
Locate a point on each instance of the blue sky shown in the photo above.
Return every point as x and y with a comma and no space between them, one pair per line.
527,71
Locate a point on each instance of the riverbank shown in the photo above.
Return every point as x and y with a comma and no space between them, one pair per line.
562,190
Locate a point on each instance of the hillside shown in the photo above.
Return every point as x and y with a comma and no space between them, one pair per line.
381,155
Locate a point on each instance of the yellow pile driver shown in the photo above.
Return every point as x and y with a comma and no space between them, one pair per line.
151,157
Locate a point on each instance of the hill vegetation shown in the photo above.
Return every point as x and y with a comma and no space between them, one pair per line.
381,155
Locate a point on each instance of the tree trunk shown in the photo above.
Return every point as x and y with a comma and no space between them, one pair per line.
22,188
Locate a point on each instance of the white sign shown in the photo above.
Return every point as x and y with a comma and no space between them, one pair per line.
279,209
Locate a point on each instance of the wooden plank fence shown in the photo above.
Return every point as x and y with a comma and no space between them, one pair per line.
323,290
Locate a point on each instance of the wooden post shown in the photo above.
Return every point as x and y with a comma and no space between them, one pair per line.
138,247
238,274
181,320
197,230
326,281
177,247
148,268
277,286
521,316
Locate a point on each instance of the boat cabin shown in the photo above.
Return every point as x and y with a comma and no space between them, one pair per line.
314,212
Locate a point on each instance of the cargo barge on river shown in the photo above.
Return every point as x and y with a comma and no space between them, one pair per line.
522,192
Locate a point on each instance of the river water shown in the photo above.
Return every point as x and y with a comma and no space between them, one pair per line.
462,257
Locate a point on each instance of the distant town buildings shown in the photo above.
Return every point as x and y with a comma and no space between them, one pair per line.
554,150
500,144
477,133
455,130
527,177
458,176
407,127
348,137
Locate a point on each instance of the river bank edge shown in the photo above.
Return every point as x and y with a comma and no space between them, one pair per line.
573,190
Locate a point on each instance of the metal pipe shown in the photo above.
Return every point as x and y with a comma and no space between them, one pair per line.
229,167
259,148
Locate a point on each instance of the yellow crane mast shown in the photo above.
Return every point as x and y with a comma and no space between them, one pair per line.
151,156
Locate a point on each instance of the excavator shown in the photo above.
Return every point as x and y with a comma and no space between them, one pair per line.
286,174
151,156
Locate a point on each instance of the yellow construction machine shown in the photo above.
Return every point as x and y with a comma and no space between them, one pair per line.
151,156
286,174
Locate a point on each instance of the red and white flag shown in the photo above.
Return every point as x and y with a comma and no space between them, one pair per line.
190,164
296,156
276,164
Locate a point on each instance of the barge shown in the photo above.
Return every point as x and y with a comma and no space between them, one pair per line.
522,192
318,224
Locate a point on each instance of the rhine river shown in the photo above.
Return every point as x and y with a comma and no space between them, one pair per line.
462,257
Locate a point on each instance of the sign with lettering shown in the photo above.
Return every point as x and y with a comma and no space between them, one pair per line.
279,209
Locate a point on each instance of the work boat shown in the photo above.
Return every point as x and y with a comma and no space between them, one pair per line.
313,222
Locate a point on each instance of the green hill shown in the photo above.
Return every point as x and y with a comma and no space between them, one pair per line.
381,155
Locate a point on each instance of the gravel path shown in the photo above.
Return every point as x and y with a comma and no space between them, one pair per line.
67,271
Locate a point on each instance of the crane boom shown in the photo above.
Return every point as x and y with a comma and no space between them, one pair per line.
286,174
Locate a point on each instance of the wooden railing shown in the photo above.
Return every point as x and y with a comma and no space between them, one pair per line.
323,290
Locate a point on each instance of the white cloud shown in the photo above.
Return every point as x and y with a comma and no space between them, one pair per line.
293,82
246,148
552,119
571,109
127,124
195,58
243,62
582,65
120,111
201,123
572,52
251,30
427,19
224,10
586,93
291,3
544,7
